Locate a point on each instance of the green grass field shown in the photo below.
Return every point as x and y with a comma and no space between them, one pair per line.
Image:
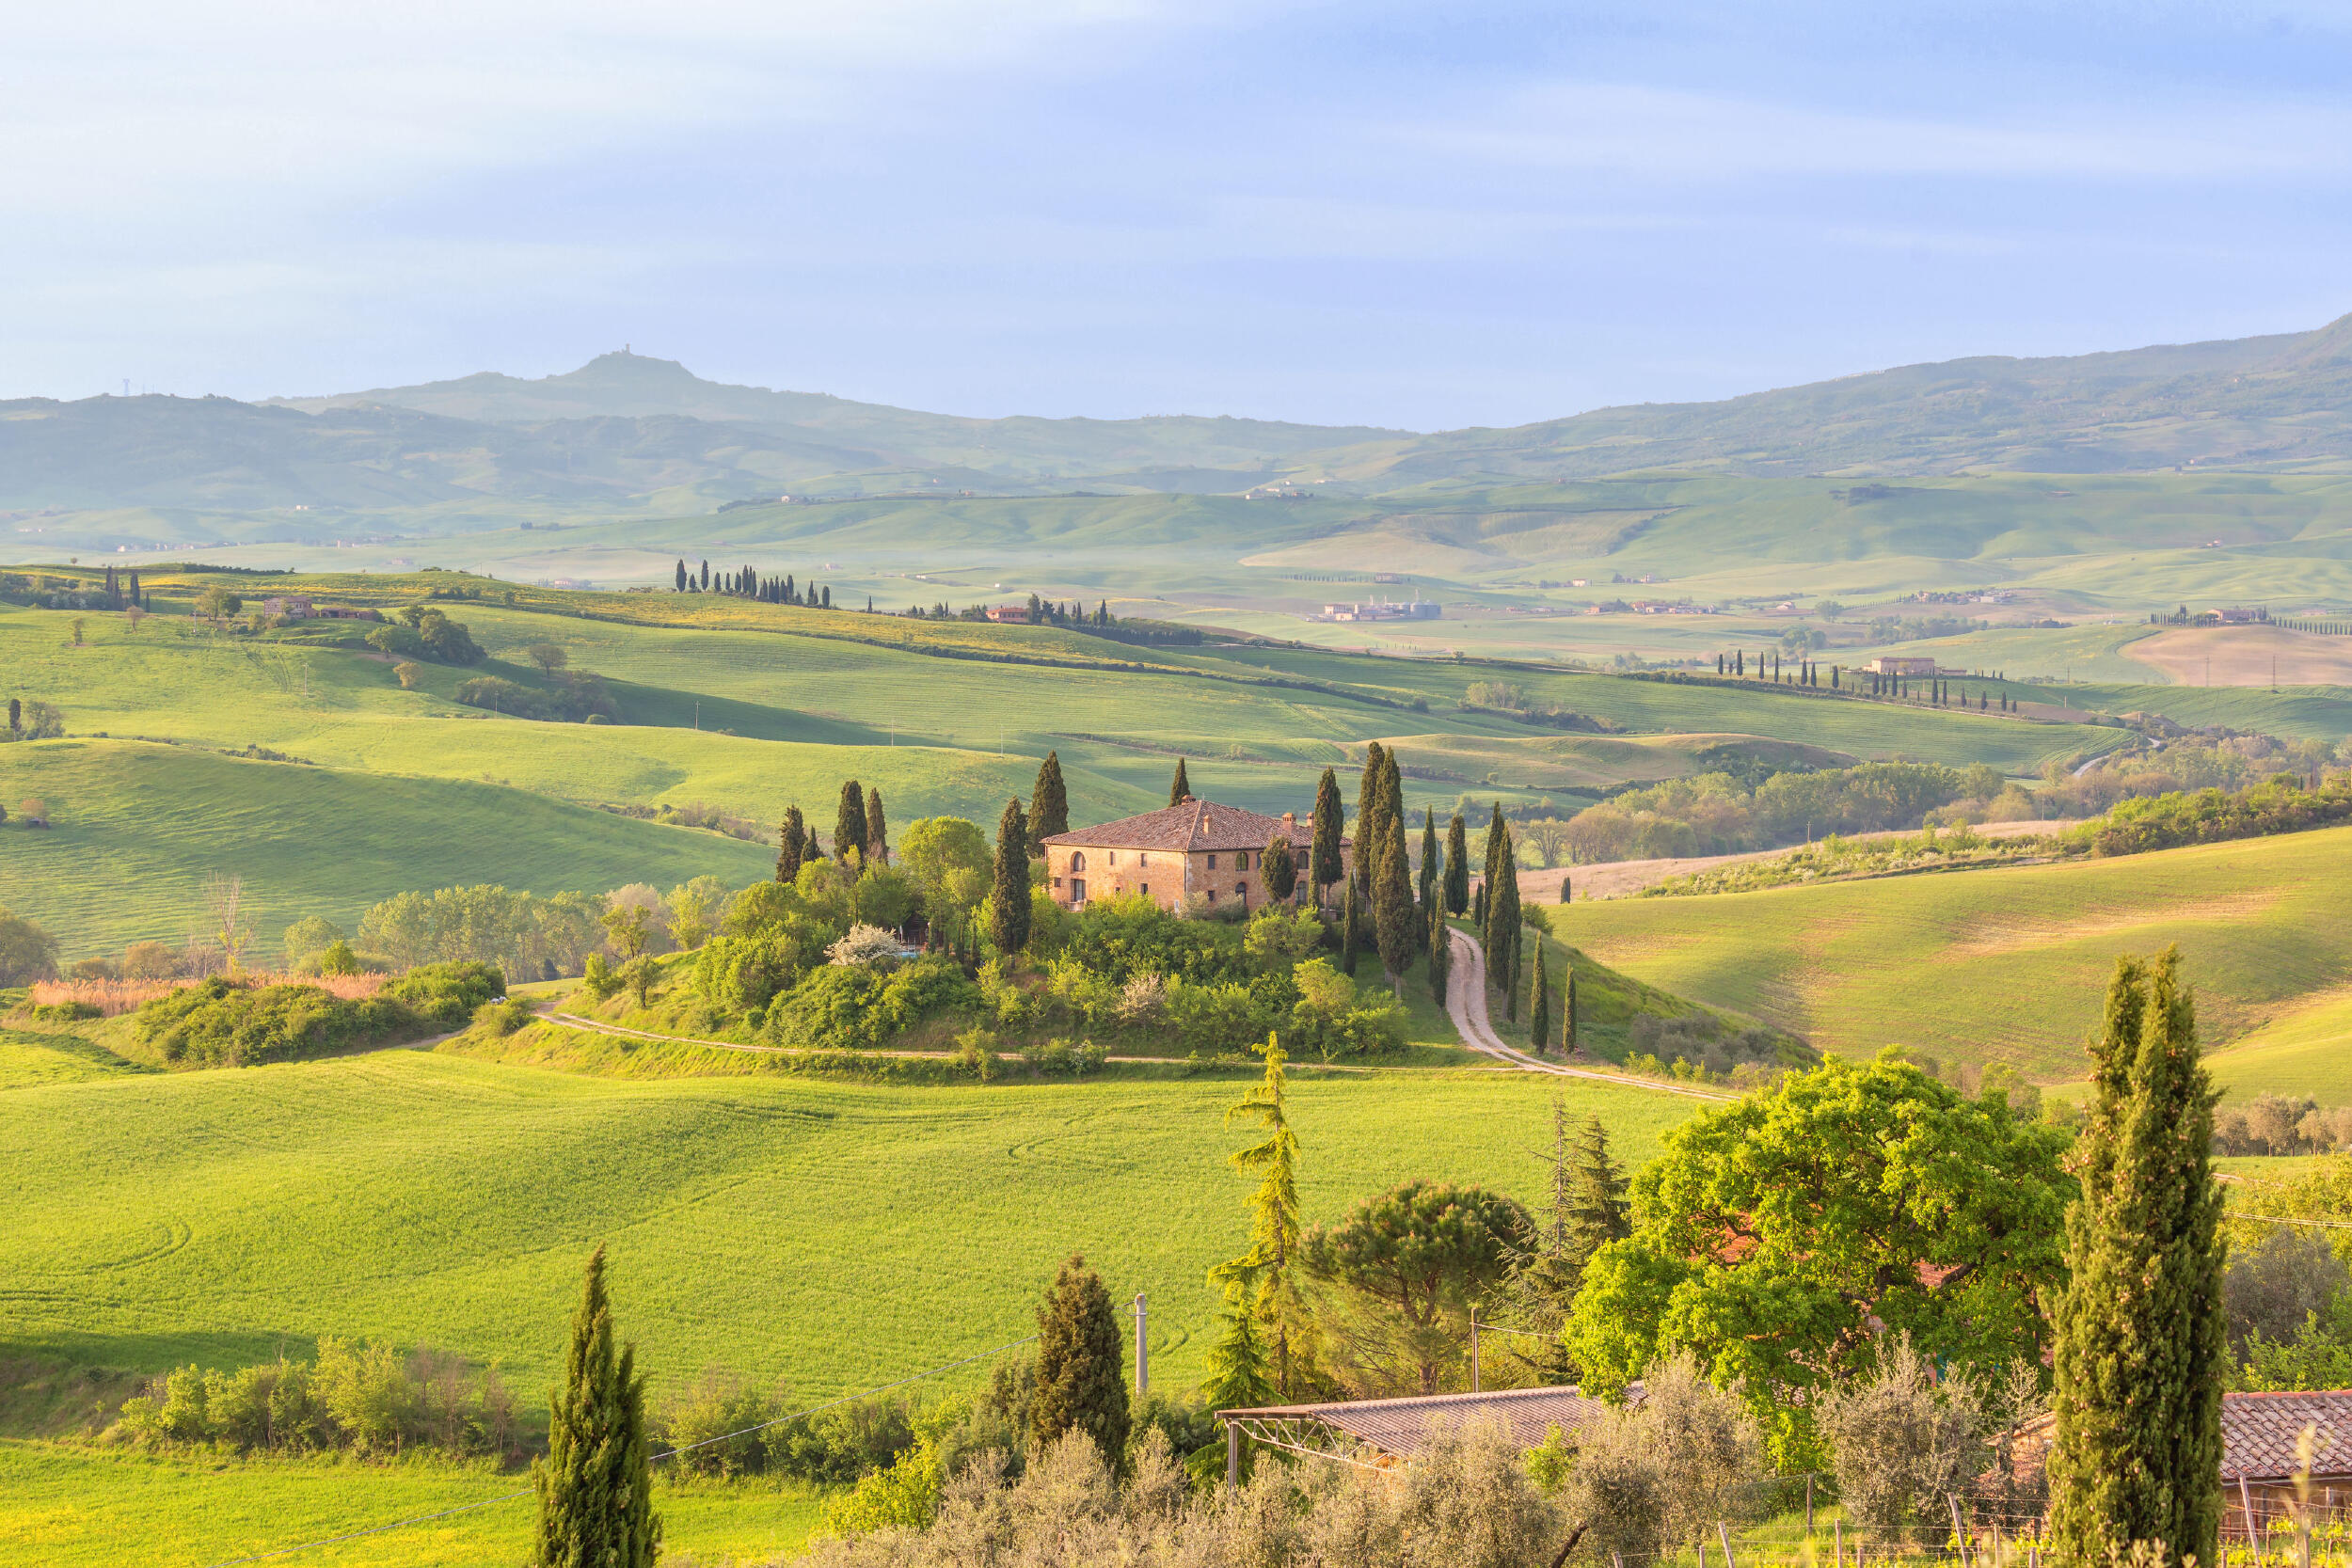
831,1235
140,827
2305,1051
2005,964
77,1507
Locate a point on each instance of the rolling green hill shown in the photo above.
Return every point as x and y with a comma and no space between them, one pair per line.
2307,1051
140,827
155,1219
1999,965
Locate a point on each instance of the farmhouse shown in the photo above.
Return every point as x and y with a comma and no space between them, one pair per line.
1196,849
1900,666
2259,1437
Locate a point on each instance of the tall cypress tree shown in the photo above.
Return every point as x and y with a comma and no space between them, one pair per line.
1457,866
1049,805
1440,954
706,587
1503,920
1009,896
1368,801
1080,1383
1539,1008
1179,787
1395,923
849,822
1351,927
792,845
877,828
2139,1358
681,574
1323,860
596,1494
1432,863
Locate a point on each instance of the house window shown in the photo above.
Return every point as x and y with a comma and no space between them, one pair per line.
1241,891
1144,888
1077,891
1212,895
1241,861
1079,861
1213,863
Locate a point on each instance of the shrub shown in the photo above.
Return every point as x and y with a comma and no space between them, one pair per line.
27,953
217,1023
447,994
503,1018
1901,1441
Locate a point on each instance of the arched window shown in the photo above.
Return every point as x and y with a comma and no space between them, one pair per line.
1079,861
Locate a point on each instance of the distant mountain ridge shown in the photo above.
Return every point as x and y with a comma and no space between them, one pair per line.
626,431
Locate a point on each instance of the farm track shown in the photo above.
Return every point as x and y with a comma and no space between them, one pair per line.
1466,1003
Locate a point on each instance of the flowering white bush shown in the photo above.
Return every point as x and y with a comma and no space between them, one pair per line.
864,944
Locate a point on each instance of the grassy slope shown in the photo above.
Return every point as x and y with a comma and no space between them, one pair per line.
2005,964
155,1219
67,1507
2307,1052
140,827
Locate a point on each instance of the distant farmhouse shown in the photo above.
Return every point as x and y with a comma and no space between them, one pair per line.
1417,609
1883,665
1193,851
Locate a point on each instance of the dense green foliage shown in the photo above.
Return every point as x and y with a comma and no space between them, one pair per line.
1716,814
594,1486
1773,1231
1412,1262
27,953
2281,806
2140,1351
1081,1386
219,1023
370,1399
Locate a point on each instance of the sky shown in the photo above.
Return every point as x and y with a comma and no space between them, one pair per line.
1420,217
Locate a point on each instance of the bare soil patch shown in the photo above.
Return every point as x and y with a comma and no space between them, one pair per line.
1622,878
2245,655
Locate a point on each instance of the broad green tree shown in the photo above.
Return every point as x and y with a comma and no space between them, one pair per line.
1415,1259
2140,1345
1081,1382
1777,1238
1009,896
1049,805
27,953
1323,866
595,1488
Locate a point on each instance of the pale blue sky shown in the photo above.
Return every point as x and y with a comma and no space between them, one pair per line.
1421,216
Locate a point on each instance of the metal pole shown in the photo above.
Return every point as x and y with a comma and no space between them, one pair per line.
1233,1453
1143,1351
1474,1388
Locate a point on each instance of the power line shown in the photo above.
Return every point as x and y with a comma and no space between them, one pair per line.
667,1453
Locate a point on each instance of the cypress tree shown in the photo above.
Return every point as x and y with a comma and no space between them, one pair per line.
1432,870
1567,893
2139,1358
1323,862
706,587
1478,909
1503,922
1351,928
1567,1010
1440,954
595,1497
828,596
1179,787
1008,898
792,845
681,574
849,822
1049,805
1457,866
1277,871
1080,1383
1539,1006
1395,923
1368,801
877,828
136,597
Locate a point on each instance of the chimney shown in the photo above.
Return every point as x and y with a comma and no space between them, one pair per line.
1290,822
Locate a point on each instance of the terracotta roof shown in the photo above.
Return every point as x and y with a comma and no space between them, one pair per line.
1194,825
2258,1433
1401,1427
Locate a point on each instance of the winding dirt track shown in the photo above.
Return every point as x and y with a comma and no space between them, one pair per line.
1466,1001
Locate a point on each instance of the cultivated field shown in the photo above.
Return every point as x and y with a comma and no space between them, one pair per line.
1999,965
2245,655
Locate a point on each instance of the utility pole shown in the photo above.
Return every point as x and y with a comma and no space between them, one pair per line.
1143,1351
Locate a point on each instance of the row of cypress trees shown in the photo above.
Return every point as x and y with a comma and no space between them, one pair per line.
745,582
858,825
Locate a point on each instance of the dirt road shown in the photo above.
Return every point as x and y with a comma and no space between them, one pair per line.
1466,1003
